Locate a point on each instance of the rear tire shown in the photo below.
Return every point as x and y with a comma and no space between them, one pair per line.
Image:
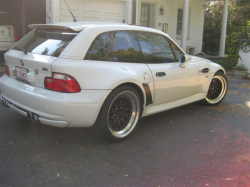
119,114
217,90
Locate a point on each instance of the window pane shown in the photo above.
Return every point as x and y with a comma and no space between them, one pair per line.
180,14
155,48
120,46
179,28
177,51
50,42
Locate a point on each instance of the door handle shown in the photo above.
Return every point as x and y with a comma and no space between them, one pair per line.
205,70
160,74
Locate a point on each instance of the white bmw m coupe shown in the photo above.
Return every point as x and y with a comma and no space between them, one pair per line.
104,74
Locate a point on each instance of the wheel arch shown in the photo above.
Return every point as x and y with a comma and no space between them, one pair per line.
138,89
222,71
133,85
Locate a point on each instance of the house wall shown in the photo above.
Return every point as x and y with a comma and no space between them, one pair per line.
93,10
245,59
121,11
170,17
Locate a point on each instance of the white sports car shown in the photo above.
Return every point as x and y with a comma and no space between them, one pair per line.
104,74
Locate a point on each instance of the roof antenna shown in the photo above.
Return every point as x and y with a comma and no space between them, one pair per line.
70,12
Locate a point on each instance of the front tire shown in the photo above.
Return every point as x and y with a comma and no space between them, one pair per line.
217,90
119,114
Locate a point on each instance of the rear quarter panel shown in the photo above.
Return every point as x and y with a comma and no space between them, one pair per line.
103,75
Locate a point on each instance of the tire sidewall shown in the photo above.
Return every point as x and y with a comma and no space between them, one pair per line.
102,121
205,102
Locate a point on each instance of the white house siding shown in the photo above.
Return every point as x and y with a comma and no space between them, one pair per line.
96,10
245,59
170,17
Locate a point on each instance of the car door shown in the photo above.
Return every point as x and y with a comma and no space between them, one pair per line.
171,82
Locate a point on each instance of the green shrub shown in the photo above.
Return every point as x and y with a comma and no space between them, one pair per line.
241,68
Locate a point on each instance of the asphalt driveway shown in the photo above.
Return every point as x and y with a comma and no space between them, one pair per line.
189,146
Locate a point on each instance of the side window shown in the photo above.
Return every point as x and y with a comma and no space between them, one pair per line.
177,51
155,48
119,46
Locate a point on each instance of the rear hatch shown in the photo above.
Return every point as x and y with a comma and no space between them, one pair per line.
30,59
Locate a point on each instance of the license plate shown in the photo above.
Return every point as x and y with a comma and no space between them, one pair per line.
21,73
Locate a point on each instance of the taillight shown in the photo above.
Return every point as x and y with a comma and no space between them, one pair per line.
15,34
7,71
62,83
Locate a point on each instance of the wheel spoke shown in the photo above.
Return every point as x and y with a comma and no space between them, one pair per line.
120,113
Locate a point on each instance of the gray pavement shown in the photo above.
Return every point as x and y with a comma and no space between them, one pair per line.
192,145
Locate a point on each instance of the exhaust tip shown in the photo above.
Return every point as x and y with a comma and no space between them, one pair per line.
34,118
29,115
3,102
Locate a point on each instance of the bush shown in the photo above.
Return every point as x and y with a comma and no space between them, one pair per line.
241,68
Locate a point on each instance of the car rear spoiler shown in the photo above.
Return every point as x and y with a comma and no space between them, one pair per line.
73,27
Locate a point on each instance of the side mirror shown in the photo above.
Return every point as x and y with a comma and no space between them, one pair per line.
183,59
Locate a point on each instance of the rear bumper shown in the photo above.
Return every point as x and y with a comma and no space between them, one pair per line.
26,113
53,108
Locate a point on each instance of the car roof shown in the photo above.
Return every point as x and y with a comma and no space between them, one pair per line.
78,26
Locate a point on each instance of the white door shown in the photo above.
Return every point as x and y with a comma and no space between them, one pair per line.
171,82
145,15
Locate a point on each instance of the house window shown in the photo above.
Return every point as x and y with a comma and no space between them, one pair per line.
180,20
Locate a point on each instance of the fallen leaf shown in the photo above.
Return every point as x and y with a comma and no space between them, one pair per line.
28,166
142,182
212,131
10,143
82,148
126,175
159,156
195,139
56,143
58,175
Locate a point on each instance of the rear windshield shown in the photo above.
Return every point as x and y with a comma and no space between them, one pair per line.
49,42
